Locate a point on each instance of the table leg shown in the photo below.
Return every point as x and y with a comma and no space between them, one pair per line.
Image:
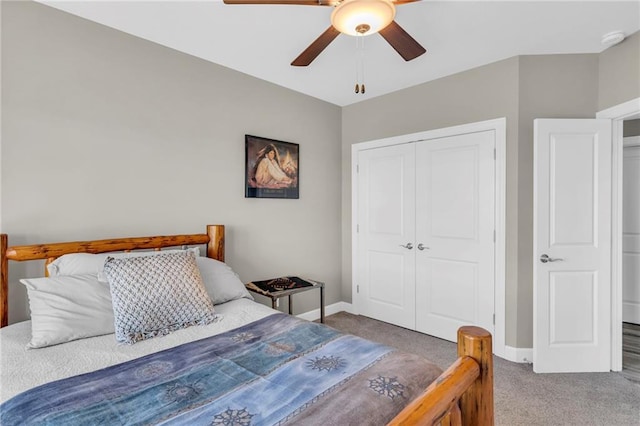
290,306
322,304
273,303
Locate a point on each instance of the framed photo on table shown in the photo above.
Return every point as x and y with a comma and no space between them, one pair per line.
271,168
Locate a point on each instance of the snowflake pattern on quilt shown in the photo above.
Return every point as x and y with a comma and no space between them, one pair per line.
327,363
153,369
231,417
178,392
243,337
387,386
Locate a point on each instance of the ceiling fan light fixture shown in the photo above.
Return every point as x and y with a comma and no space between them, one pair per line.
362,17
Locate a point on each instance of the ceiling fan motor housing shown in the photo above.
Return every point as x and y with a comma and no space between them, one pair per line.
362,17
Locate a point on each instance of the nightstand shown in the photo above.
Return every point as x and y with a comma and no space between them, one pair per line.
275,295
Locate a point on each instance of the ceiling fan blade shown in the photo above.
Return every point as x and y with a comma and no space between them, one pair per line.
400,40
315,48
292,2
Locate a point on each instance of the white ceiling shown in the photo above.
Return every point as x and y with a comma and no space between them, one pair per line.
263,40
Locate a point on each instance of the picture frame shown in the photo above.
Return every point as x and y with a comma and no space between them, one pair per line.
272,168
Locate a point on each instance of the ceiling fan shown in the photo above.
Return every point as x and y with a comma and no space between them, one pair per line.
356,18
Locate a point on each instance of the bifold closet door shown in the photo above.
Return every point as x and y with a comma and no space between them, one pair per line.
455,233
386,232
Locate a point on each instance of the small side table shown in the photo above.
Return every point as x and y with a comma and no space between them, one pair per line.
275,295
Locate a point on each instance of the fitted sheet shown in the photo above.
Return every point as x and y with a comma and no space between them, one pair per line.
22,368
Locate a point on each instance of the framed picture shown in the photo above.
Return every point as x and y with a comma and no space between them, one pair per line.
271,168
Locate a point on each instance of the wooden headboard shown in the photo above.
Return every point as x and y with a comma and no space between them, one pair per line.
213,238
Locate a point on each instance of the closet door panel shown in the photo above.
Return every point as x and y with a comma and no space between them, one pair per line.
453,205
386,228
454,224
384,270
455,278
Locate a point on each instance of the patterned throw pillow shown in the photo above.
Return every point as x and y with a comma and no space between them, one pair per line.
153,296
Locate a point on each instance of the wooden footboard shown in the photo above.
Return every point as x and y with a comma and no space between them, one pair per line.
463,394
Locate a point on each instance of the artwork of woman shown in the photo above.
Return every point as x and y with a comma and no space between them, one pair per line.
269,171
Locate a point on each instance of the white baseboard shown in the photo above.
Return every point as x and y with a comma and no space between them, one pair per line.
328,310
523,355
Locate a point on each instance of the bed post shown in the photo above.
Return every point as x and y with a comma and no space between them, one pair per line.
4,281
215,246
476,403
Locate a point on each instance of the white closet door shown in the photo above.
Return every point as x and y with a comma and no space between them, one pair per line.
631,236
386,223
455,233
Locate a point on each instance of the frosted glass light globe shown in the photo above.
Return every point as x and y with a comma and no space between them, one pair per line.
362,17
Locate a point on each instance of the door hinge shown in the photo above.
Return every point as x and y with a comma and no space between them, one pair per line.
358,288
494,153
494,319
494,235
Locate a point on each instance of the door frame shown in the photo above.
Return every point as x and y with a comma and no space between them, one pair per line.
617,114
499,126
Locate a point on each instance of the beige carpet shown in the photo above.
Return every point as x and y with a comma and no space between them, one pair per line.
522,397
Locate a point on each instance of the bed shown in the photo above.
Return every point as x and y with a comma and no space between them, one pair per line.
246,364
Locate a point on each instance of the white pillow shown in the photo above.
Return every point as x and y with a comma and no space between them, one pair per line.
68,308
221,282
89,263
155,295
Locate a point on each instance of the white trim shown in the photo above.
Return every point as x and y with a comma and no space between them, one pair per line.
623,111
500,302
328,310
354,227
522,355
499,126
617,114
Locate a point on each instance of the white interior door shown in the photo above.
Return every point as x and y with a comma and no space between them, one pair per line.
631,234
572,245
386,232
455,233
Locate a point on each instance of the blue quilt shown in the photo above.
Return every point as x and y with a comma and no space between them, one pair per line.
278,370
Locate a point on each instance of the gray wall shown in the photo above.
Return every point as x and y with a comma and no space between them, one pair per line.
105,135
618,73
480,94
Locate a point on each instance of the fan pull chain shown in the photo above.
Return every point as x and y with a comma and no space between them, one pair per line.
357,89
360,87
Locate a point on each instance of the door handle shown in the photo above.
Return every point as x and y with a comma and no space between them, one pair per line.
545,258
422,247
408,246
